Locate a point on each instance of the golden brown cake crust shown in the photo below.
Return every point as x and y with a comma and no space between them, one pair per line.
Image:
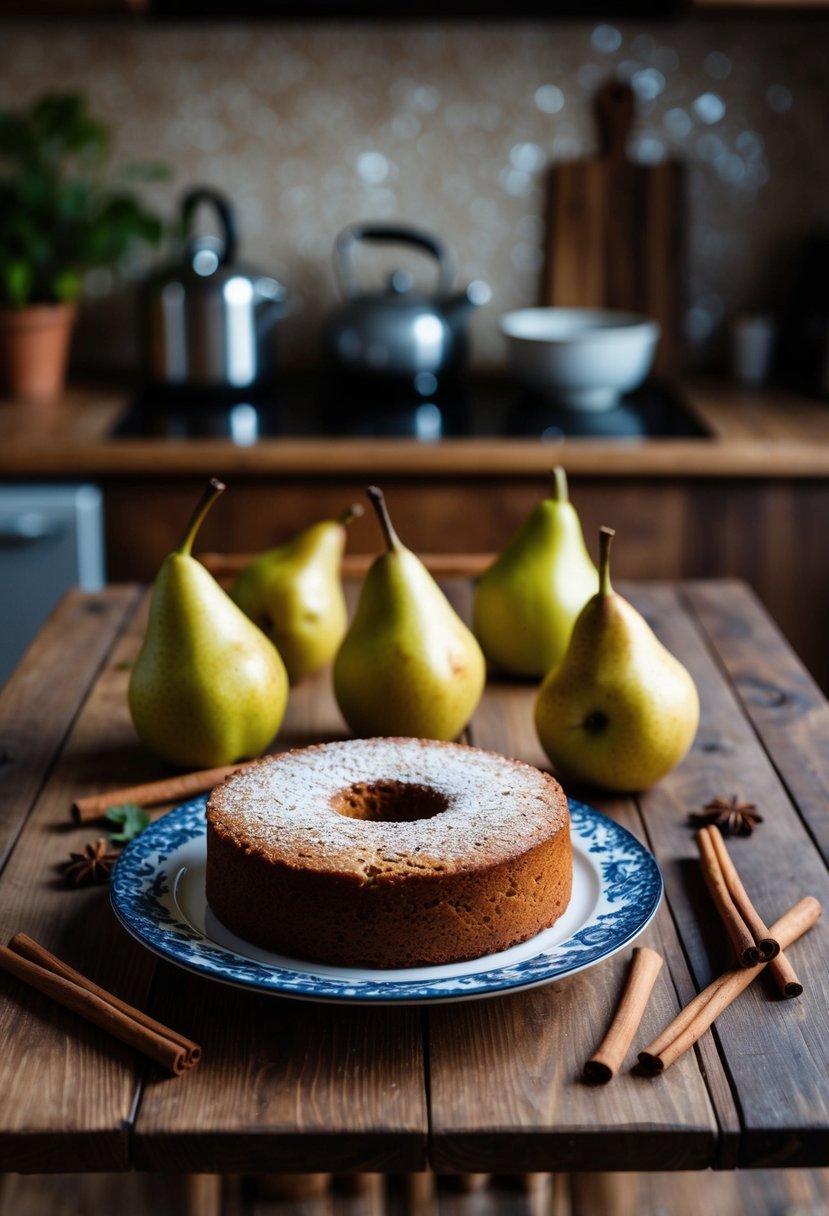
388,852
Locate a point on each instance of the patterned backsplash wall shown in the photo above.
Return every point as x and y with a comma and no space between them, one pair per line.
309,127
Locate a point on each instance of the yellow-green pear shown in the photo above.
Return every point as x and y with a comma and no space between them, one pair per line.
408,665
294,594
208,688
528,599
619,711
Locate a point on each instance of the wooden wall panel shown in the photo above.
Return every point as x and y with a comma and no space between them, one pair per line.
769,532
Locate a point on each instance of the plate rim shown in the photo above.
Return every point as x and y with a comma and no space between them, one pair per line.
164,946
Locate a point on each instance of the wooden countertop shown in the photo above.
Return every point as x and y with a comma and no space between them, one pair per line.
482,1085
753,433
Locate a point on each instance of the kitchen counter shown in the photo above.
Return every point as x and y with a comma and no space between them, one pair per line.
751,433
746,500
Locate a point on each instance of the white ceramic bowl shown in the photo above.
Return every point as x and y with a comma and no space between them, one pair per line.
583,358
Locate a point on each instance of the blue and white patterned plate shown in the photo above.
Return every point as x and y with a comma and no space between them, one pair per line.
157,891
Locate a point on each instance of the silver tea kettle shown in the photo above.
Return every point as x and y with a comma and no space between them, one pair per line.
207,321
396,333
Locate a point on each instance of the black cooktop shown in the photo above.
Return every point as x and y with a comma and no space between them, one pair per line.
300,406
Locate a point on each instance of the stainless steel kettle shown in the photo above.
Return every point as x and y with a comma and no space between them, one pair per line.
207,321
396,333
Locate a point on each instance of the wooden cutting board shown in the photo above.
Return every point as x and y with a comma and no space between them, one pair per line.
615,233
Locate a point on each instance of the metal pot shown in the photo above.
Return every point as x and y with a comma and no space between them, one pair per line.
397,333
209,322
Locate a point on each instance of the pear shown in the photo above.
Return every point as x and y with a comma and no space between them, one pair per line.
294,594
408,665
619,711
528,599
208,688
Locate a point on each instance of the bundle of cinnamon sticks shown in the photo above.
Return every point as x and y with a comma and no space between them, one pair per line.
36,966
757,949
691,1022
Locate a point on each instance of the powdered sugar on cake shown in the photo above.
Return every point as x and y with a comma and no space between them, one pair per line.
484,801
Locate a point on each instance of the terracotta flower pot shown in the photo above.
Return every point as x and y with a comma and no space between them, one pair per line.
34,350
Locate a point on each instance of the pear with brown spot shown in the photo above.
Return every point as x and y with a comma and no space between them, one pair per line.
619,711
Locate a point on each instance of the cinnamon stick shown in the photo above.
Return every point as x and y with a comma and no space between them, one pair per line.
28,948
742,939
692,1021
766,944
608,1056
154,793
781,970
35,966
785,977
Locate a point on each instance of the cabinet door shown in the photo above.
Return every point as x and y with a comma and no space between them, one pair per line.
51,539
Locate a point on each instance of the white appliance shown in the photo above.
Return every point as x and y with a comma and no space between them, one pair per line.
51,539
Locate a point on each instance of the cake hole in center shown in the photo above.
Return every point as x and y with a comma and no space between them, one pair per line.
389,801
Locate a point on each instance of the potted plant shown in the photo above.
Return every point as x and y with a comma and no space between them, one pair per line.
61,214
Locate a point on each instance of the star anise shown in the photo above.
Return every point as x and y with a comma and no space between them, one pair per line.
730,815
93,865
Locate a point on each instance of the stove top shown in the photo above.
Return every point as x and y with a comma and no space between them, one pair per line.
301,407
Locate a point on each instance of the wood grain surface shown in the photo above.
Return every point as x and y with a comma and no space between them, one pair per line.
522,1102
40,699
69,1090
779,1116
492,1086
714,1193
780,698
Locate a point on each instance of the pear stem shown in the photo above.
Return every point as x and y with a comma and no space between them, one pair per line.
559,491
350,513
211,492
605,538
379,503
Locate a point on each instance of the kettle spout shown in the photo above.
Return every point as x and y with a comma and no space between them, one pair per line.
475,295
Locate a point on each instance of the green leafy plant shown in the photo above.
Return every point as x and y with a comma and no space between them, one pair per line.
61,212
130,817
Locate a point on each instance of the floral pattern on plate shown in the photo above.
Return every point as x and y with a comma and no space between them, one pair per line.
157,892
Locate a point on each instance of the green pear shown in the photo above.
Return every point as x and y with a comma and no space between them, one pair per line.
408,665
294,594
528,599
208,688
619,711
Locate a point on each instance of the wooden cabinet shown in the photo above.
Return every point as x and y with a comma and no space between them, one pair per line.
770,532
750,501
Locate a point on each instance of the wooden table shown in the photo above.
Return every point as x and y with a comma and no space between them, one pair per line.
491,1085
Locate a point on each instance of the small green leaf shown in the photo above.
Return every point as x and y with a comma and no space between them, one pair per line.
66,286
132,819
17,279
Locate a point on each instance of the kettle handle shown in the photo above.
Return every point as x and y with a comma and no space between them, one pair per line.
387,234
227,220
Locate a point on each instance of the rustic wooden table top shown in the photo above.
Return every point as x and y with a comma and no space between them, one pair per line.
491,1085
